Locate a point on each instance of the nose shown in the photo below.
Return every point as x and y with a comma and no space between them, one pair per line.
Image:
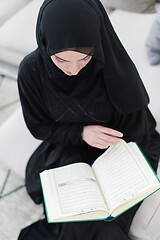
74,69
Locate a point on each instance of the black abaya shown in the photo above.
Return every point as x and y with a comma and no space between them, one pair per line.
96,230
64,145
107,92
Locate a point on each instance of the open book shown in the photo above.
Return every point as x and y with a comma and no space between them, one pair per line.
118,179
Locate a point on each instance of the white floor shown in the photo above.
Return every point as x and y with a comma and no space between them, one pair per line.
9,99
16,208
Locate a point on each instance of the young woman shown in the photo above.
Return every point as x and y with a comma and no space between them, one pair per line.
80,93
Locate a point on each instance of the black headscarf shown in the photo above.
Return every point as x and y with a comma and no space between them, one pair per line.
82,25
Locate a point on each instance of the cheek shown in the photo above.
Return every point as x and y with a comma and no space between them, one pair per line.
59,65
83,64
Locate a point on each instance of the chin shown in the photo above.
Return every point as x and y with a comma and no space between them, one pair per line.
69,74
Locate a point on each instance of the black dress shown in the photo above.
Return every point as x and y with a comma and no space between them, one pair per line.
108,91
57,116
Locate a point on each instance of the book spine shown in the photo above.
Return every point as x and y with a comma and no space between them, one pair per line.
109,218
44,199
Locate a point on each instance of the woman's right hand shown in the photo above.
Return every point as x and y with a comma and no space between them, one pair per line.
100,137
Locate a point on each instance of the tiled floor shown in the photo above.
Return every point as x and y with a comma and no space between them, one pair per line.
16,208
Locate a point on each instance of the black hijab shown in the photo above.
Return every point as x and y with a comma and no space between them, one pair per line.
83,25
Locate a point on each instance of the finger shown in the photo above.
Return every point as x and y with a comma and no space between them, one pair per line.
111,132
109,138
97,145
103,146
103,143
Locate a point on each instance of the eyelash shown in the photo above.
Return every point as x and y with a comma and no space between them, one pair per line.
86,58
62,61
59,60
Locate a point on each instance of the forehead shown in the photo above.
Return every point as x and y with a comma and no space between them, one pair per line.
71,55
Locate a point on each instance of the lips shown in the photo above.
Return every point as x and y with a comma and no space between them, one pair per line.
69,73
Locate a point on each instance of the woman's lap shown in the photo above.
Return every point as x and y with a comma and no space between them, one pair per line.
95,230
46,157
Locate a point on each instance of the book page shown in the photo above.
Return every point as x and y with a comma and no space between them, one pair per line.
77,189
119,175
145,164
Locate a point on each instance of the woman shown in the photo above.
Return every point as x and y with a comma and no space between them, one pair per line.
80,93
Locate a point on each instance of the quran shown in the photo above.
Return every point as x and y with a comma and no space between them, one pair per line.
117,180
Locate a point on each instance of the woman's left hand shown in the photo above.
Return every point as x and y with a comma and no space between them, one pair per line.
100,137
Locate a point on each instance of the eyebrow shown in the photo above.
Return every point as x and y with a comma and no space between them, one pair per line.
77,60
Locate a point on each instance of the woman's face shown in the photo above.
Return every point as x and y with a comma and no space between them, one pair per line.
70,62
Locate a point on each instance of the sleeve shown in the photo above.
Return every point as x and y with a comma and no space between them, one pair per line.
36,114
140,127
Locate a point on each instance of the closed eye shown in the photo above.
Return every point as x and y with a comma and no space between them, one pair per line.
86,58
60,60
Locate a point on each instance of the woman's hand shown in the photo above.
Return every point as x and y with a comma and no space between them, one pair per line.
100,137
